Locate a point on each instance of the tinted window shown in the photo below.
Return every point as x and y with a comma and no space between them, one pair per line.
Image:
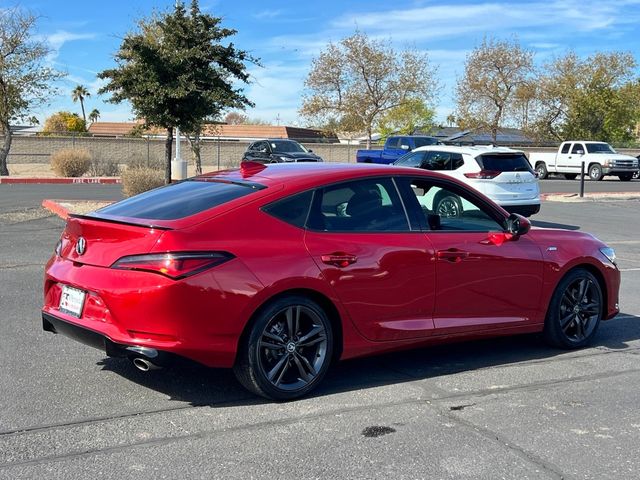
292,210
423,141
180,200
446,208
413,159
565,148
392,142
441,161
456,161
371,205
404,142
504,162
577,147
286,146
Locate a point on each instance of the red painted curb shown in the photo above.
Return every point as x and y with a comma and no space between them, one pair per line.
64,180
56,208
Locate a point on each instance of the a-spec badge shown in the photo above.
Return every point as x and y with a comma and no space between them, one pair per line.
81,246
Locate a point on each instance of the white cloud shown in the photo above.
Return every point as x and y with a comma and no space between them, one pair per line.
57,40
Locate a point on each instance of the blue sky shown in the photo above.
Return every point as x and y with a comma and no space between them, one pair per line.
286,35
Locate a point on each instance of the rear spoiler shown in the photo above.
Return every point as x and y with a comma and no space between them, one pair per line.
120,222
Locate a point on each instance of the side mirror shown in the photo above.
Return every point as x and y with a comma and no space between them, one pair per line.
405,147
310,151
517,225
580,152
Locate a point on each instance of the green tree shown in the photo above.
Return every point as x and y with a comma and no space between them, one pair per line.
596,98
25,80
406,118
94,115
486,93
78,94
355,82
176,72
64,122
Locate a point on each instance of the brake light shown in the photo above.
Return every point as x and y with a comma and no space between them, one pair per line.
175,265
483,174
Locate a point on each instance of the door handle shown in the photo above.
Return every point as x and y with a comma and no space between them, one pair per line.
452,255
339,259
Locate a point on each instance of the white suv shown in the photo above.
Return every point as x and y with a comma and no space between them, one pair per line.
502,174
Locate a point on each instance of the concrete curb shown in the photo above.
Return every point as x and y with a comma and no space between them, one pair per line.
55,207
62,180
589,197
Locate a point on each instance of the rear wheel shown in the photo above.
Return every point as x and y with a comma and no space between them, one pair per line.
570,176
448,206
541,170
595,172
575,310
625,177
288,349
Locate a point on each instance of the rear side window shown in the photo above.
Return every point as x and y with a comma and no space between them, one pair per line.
565,148
293,210
504,162
180,200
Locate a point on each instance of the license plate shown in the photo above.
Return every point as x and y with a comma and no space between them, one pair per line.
72,301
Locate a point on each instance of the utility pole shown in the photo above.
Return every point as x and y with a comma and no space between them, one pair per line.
178,166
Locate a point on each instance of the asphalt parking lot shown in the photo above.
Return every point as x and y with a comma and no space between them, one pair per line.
505,408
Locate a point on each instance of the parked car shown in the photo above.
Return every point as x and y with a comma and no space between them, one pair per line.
394,148
502,174
277,271
599,158
278,150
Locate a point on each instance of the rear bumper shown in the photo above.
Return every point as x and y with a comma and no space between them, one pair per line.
97,340
525,210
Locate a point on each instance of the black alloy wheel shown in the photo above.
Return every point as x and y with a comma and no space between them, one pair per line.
575,310
288,351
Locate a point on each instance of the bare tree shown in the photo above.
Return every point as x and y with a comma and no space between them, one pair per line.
353,83
493,73
25,80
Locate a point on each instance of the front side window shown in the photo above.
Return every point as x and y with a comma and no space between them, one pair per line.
392,142
370,205
443,207
424,141
577,147
438,161
413,159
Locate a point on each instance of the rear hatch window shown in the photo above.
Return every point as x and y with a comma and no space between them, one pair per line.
504,162
180,200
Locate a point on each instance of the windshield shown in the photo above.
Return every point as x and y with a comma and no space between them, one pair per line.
599,148
423,141
283,146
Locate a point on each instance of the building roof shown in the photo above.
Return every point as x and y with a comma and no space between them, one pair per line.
505,136
231,132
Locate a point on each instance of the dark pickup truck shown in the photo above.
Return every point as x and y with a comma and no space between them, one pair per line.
394,148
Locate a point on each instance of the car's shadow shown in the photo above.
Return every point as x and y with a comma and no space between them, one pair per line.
201,386
538,223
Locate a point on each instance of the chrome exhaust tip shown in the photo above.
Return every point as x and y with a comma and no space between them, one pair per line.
144,365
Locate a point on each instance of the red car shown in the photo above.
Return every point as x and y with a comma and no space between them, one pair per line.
279,270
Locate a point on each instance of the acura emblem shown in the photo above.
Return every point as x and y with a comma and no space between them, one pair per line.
81,246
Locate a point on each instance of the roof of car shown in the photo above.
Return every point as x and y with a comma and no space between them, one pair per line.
469,150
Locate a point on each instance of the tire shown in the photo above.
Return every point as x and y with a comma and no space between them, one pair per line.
448,206
570,176
636,174
575,310
541,170
595,172
625,177
287,351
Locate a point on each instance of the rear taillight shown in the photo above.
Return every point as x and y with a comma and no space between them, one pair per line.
483,174
175,265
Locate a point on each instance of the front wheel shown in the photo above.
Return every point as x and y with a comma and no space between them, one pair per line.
575,310
595,172
288,349
625,177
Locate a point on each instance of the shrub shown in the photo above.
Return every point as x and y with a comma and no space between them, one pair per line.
71,162
104,168
64,122
140,179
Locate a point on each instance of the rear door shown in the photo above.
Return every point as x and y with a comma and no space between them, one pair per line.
506,177
562,158
382,271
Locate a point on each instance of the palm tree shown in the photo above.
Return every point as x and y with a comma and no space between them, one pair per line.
79,94
94,115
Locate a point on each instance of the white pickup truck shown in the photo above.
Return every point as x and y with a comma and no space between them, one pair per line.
598,157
